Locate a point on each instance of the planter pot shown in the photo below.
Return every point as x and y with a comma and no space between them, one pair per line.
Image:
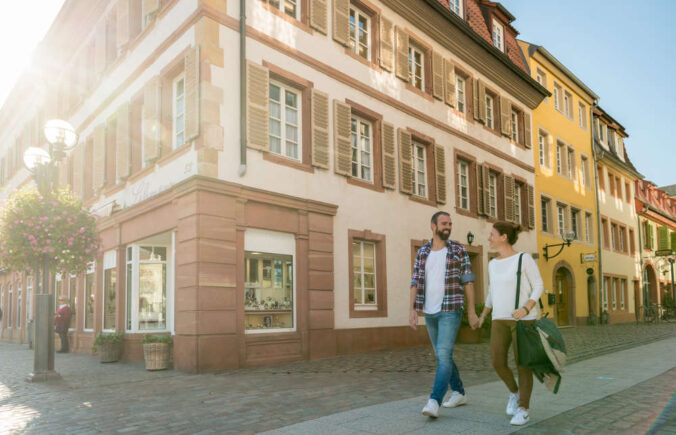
110,352
156,356
467,335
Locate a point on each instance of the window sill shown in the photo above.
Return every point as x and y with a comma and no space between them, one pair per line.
422,93
364,184
369,63
175,153
356,313
296,22
142,173
284,161
491,130
465,212
422,200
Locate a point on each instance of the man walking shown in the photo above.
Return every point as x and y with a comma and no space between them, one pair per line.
442,270
62,323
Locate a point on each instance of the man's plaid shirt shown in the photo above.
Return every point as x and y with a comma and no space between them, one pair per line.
458,272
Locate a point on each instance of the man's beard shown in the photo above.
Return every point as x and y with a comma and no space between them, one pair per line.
444,234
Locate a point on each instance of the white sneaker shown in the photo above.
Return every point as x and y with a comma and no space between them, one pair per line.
512,404
456,399
431,409
520,417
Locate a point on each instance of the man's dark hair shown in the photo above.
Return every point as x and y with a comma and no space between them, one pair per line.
436,215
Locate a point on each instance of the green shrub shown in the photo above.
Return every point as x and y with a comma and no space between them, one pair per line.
105,338
149,338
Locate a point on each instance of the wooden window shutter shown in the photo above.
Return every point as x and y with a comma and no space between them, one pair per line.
662,237
152,94
320,129
257,106
482,102
386,44
389,156
480,189
192,93
650,237
78,163
99,158
342,137
401,59
476,109
341,21
487,190
505,116
100,49
318,15
531,206
123,23
437,75
449,85
440,169
509,198
527,131
673,241
405,163
123,146
150,8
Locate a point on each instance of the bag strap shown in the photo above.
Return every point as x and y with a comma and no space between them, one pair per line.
518,283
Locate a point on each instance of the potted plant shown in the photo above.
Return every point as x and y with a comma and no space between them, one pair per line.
109,346
156,350
466,334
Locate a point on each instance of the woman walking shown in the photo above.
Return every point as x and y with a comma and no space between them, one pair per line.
502,276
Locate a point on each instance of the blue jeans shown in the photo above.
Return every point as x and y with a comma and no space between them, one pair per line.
442,328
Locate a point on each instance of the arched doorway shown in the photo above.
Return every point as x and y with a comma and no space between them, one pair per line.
650,283
563,282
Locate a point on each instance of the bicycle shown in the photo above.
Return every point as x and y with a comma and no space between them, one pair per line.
647,314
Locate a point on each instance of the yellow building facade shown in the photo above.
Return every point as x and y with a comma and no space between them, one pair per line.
564,191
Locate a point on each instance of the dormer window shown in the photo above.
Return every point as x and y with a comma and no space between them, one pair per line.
498,36
455,6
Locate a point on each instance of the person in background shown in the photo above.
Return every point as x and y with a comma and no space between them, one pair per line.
62,323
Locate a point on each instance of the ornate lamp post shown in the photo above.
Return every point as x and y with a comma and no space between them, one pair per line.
568,237
42,164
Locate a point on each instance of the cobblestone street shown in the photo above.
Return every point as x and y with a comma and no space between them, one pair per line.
94,397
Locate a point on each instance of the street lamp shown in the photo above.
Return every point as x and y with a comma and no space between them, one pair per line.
60,137
568,237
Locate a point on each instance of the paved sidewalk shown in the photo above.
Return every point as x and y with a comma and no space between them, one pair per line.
105,398
584,382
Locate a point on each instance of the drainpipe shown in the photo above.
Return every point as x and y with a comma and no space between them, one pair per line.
242,88
640,254
598,213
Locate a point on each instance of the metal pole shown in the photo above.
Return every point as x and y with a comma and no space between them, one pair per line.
673,288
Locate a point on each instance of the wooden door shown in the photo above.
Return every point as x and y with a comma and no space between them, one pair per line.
562,283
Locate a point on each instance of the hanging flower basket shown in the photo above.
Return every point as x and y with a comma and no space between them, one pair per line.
55,228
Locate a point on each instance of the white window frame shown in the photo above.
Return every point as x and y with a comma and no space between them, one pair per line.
91,269
282,7
463,184
360,166
419,180
273,242
492,195
621,238
570,155
623,288
461,104
283,151
606,290
412,51
542,140
567,103
582,114
18,304
517,203
613,238
354,37
109,262
175,115
545,204
455,6
575,222
365,306
489,112
584,173
10,293
498,35
514,120
589,230
559,165
561,219
614,284
557,96
134,291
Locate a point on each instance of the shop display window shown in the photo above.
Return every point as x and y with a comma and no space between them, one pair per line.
268,299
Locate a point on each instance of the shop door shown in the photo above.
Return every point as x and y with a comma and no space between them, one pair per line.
562,283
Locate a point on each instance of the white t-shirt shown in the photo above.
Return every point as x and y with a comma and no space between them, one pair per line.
502,285
435,271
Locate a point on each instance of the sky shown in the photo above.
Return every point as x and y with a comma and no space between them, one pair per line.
624,50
